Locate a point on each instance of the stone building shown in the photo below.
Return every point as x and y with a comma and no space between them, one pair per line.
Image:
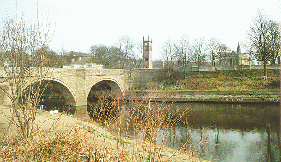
233,58
147,53
244,58
238,58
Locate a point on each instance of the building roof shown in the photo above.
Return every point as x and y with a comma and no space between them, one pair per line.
82,61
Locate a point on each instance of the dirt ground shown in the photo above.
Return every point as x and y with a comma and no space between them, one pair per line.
6,127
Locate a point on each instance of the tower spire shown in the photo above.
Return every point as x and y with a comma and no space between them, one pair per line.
238,49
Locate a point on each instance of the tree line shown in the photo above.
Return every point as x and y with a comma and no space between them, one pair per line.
124,54
263,45
50,58
178,54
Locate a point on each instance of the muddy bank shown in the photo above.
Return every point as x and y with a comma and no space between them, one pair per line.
206,96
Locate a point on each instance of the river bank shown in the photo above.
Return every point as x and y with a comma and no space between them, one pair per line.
61,137
206,96
223,80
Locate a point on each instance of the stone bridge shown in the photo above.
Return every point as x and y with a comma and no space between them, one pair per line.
76,84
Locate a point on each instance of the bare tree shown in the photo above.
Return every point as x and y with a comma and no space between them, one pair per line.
219,52
101,55
139,52
25,67
275,40
126,45
168,55
182,52
139,48
214,50
265,38
199,52
223,54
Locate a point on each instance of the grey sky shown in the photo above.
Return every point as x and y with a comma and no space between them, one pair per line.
80,24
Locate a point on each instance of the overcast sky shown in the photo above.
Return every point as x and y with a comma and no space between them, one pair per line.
80,24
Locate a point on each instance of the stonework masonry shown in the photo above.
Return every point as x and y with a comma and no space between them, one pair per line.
147,53
77,83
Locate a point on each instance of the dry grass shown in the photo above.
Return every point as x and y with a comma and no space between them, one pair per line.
230,80
235,80
59,137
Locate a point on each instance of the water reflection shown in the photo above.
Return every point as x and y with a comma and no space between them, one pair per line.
221,132
227,132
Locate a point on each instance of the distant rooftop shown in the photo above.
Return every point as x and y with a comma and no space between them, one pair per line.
83,62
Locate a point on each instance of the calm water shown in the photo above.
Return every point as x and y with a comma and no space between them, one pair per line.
225,132
230,132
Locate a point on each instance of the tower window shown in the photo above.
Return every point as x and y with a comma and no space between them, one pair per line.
145,59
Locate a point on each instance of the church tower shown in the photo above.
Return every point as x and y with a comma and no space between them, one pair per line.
147,53
238,49
239,55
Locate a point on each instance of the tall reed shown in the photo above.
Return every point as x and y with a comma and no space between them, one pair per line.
148,122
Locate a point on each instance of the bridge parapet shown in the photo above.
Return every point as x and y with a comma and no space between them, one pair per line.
79,81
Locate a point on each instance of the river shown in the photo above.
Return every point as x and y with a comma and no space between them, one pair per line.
234,132
215,131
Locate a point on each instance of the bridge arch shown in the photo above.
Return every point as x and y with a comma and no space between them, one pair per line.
58,89
102,97
114,85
